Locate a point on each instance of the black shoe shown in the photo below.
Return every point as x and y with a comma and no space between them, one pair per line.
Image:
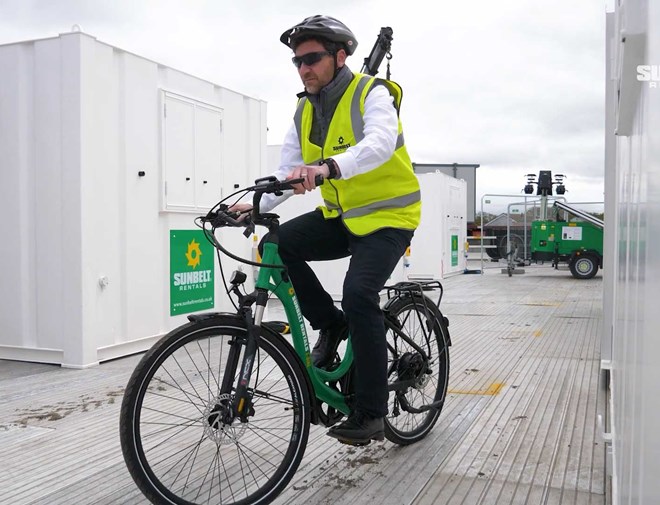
326,346
358,429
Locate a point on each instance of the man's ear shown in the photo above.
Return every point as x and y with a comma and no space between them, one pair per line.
341,58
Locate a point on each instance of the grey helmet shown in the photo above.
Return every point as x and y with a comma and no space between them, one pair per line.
321,26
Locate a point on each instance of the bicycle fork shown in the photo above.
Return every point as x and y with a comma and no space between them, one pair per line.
241,406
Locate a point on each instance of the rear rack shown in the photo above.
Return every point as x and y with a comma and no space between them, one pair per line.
414,288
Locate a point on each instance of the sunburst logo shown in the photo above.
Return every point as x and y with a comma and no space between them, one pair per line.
193,255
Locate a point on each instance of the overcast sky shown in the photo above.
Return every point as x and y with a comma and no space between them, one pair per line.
516,86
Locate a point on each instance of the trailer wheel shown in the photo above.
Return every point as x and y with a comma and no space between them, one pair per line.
584,267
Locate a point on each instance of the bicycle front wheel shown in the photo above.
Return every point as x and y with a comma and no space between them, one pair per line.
410,419
178,437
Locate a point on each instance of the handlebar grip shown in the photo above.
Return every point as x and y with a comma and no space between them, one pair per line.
318,180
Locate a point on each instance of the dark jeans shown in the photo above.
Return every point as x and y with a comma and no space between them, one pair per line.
310,237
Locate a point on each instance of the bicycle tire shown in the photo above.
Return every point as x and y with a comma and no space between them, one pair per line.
403,427
170,447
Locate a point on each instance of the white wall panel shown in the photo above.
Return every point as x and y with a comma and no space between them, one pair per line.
179,153
16,172
141,270
208,156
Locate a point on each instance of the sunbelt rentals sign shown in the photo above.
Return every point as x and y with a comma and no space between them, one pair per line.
191,272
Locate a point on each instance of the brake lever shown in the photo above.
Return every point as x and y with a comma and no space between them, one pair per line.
212,215
221,217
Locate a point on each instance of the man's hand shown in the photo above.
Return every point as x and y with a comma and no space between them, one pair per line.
308,172
243,208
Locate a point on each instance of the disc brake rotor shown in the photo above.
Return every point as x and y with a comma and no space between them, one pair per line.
215,427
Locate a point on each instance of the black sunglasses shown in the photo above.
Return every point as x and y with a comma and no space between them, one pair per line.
309,59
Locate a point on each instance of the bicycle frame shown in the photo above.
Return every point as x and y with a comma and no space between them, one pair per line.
272,279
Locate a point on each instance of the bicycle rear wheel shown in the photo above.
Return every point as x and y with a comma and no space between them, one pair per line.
177,444
419,318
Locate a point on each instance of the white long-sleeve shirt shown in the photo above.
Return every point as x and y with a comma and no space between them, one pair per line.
381,127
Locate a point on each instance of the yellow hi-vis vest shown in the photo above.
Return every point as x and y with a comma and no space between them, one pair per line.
387,196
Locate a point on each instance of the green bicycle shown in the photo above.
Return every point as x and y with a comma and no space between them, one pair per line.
219,410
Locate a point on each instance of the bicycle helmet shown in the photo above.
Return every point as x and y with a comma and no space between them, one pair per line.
323,27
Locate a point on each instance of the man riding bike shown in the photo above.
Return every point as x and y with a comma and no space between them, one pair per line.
346,129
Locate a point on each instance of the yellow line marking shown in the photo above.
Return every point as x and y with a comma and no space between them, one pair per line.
538,333
493,389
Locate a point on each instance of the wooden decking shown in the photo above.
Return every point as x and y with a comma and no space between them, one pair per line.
518,427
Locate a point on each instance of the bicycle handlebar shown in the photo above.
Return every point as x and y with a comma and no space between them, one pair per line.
220,216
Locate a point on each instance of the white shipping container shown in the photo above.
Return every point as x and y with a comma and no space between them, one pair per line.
630,347
438,247
102,154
